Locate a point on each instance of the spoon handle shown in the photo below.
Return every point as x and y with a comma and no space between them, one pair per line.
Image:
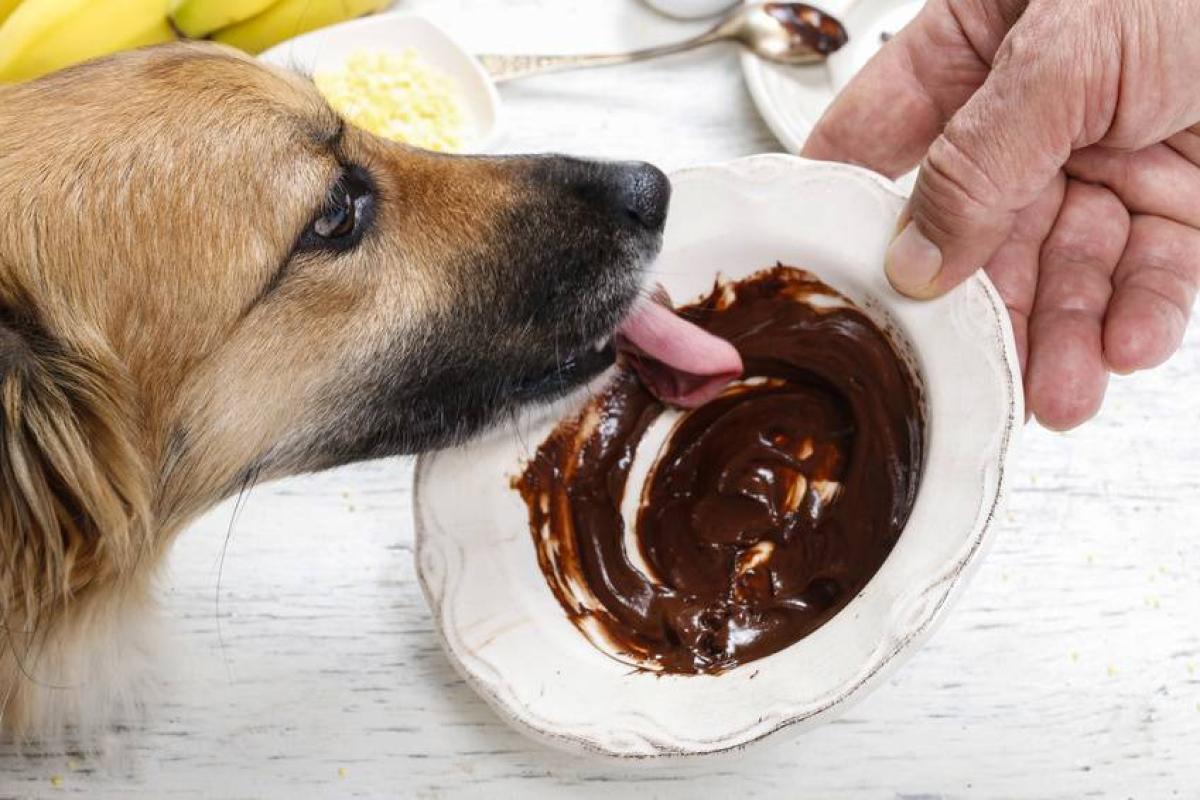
509,67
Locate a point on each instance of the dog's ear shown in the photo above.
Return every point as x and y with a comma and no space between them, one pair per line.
74,494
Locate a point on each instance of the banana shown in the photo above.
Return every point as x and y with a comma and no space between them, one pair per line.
288,18
7,7
199,18
44,35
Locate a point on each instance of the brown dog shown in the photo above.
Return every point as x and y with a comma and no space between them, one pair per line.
207,279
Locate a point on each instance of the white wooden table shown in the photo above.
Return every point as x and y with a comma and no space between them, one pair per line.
1070,668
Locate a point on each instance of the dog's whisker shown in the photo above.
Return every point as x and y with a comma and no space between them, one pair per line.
515,415
248,483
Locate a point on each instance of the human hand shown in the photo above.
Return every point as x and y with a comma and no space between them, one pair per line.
1059,148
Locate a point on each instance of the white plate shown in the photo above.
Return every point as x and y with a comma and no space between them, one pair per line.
506,633
792,99
328,47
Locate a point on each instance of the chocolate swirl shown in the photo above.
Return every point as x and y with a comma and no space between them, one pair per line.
765,511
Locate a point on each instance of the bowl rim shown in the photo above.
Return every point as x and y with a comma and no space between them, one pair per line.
952,576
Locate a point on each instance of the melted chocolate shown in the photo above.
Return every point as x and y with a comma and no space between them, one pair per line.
809,26
765,511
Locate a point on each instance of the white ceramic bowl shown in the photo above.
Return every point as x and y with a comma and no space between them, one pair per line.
506,633
397,31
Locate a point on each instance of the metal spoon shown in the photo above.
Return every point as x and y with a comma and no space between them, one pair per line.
787,33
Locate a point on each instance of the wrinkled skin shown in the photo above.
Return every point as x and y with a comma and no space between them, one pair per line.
1059,148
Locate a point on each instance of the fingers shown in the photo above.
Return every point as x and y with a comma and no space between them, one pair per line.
995,157
896,105
1187,144
1155,282
1154,290
1156,180
1067,374
1014,268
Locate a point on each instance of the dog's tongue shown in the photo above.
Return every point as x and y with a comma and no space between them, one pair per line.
682,364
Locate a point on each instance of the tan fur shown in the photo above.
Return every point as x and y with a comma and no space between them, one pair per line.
140,381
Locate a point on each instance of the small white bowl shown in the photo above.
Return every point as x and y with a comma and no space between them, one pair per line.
397,31
691,9
506,633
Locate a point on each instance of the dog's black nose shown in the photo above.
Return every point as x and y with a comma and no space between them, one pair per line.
628,191
643,192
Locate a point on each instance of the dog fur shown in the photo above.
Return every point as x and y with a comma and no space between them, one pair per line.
172,329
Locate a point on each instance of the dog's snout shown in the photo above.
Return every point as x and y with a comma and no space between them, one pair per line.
617,191
643,193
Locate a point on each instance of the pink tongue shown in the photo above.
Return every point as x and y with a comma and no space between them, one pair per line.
680,363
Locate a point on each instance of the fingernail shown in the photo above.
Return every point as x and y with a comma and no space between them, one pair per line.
913,262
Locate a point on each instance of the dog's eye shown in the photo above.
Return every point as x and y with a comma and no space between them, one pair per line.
339,221
346,213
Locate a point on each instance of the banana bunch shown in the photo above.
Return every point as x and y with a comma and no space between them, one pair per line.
256,25
7,7
40,36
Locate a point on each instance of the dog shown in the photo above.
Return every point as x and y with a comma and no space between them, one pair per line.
208,279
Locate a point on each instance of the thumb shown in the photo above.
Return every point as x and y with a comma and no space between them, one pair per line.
994,157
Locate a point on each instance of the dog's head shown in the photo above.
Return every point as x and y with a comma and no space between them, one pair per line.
249,287
206,279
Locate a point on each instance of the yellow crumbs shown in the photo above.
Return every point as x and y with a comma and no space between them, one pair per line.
396,95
